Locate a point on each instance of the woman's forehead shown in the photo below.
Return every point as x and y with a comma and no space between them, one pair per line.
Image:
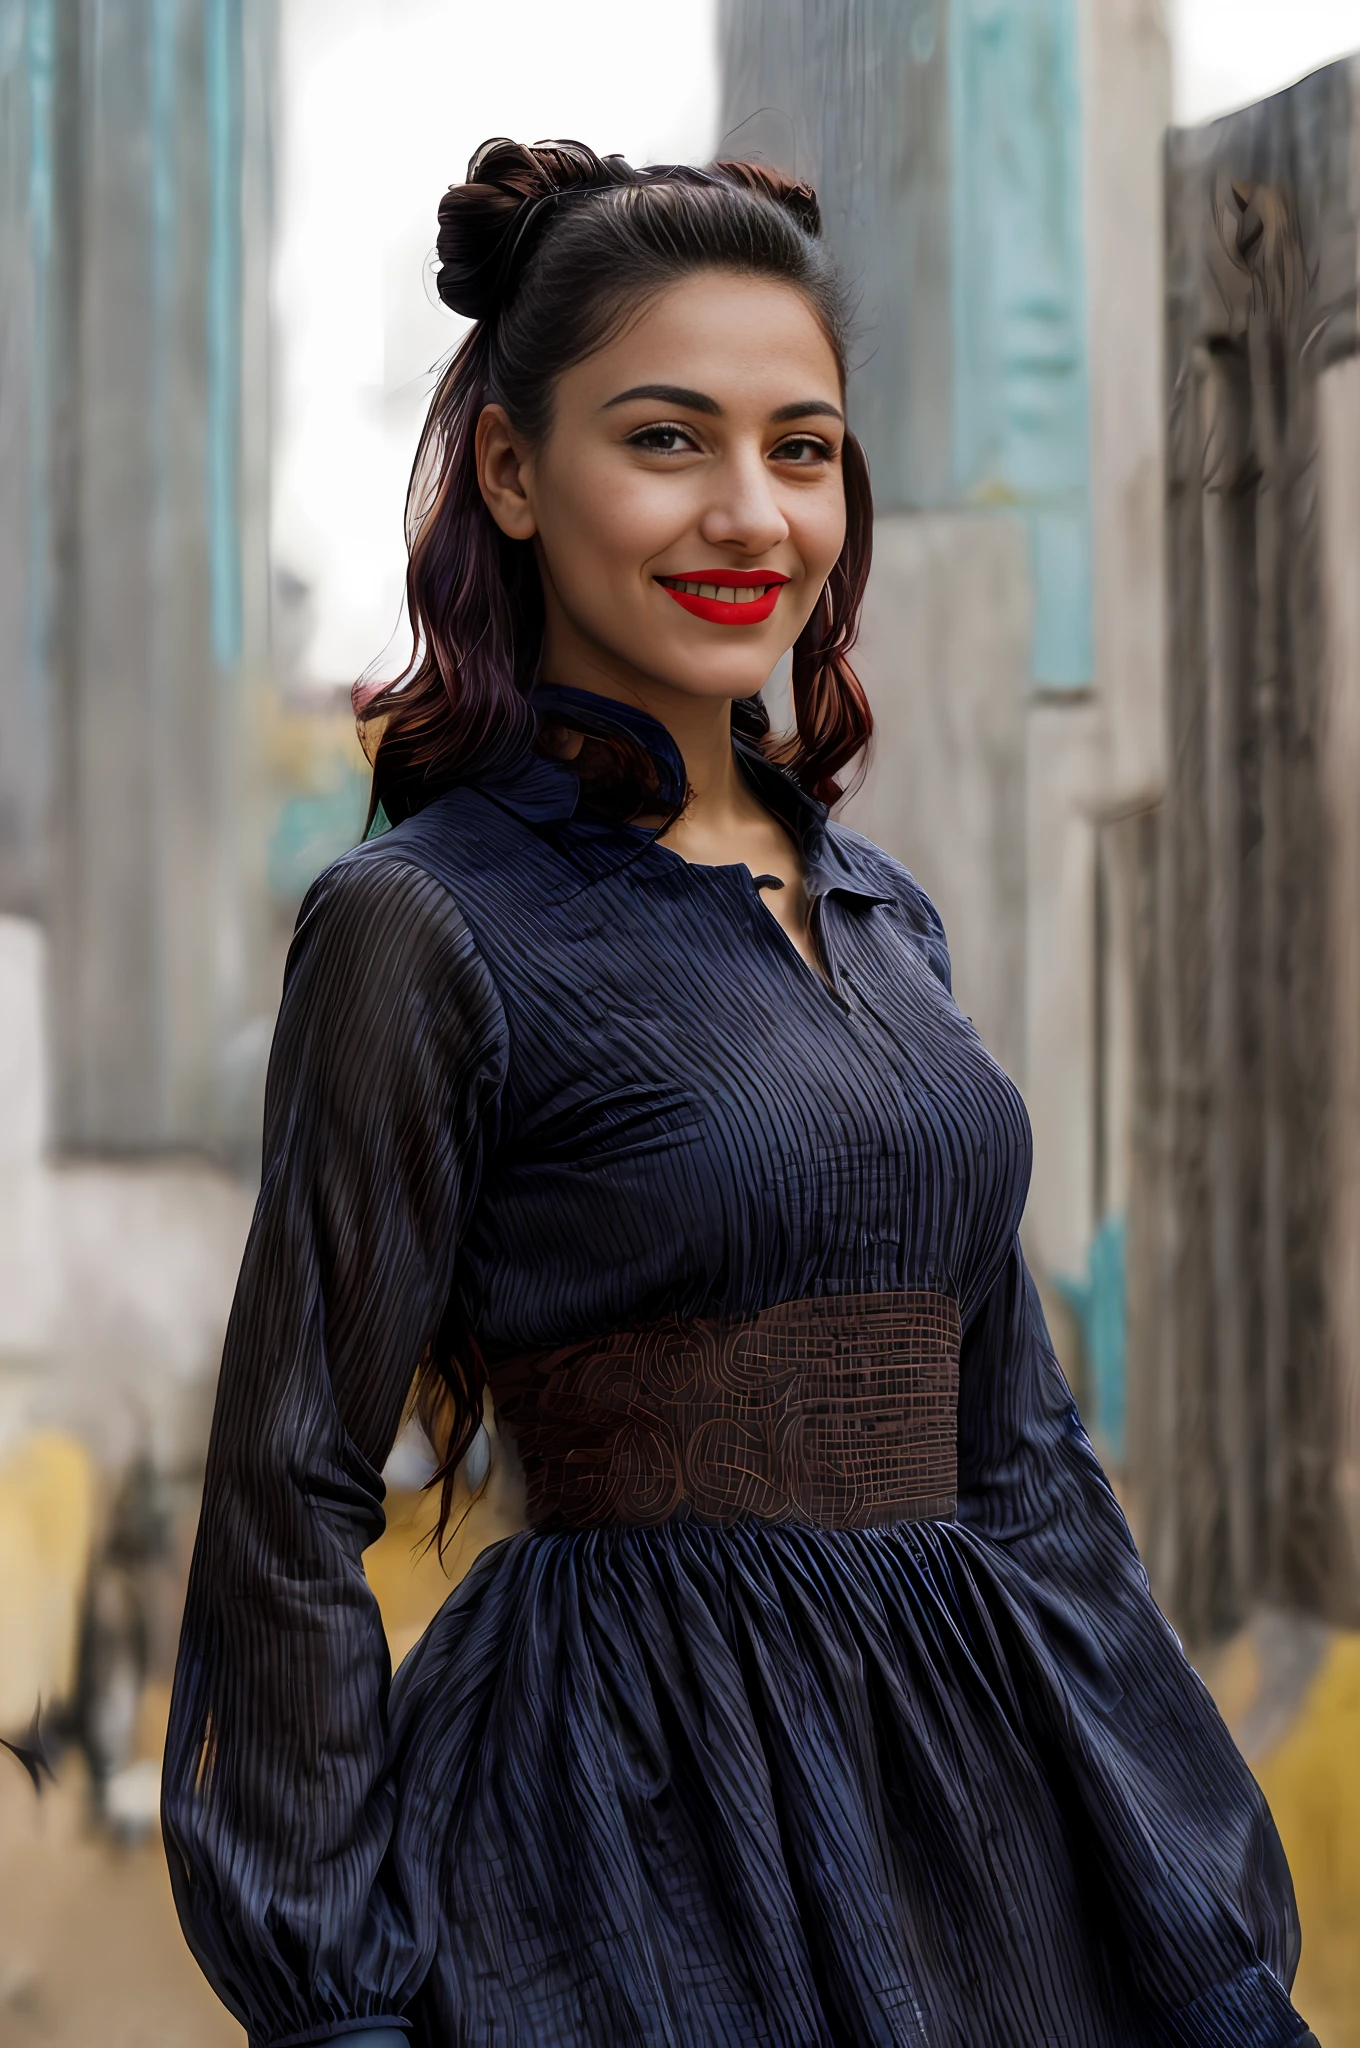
717,333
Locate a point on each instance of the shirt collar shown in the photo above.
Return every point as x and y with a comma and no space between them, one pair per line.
545,793
607,716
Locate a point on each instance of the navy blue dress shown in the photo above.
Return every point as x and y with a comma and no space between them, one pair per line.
942,1784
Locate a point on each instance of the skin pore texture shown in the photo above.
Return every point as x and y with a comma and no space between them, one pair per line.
704,437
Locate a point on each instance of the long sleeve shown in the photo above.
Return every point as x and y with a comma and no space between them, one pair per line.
382,1099
1194,1886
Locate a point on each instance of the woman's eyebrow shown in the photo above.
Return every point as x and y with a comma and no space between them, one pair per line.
699,401
807,408
667,394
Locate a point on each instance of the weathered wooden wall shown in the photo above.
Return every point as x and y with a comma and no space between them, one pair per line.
854,95
1236,1361
1339,434
134,213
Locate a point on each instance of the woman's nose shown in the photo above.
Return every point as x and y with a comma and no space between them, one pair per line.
744,512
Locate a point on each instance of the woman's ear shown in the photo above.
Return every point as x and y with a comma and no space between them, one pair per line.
502,474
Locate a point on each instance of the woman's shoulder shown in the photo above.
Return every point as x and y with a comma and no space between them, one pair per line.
379,884
379,924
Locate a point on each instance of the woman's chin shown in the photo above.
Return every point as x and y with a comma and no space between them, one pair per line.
716,677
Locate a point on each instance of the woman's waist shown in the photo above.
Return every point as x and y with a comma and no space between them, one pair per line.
837,1411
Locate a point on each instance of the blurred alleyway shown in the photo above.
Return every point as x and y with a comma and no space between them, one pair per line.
201,544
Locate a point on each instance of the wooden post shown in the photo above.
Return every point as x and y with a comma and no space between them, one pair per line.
1241,1390
1339,439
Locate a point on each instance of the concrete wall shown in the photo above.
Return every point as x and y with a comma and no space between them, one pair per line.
1126,86
27,1281
1065,761
943,655
115,1278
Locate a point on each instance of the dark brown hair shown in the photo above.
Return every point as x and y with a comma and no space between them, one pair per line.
547,250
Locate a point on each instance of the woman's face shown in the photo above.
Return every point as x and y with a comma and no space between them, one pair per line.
687,504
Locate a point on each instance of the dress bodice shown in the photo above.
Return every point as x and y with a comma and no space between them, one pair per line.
689,1119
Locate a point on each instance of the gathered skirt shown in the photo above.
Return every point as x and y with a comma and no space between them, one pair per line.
759,1784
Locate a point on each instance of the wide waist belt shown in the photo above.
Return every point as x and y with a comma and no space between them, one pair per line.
838,1411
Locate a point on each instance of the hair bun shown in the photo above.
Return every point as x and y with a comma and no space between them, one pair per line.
489,224
795,197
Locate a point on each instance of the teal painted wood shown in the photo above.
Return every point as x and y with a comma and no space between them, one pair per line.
315,827
222,55
1100,1304
134,144
163,137
27,38
1021,413
40,53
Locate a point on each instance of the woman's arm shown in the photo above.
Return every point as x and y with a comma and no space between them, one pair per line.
383,1093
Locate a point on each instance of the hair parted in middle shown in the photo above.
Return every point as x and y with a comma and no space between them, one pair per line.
548,249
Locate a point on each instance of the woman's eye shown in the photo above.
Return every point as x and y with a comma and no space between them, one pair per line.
802,449
662,440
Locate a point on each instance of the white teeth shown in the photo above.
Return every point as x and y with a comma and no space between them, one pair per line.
747,594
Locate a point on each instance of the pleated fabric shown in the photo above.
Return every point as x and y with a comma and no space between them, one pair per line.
949,1784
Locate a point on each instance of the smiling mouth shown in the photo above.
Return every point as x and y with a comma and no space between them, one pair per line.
727,597
740,593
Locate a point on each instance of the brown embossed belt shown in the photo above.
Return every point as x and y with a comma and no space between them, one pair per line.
838,1411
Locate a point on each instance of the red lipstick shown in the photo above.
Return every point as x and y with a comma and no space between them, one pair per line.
755,594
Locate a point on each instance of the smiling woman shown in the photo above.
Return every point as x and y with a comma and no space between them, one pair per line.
658,403
822,1698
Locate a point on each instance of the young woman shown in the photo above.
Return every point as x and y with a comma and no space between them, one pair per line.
823,1701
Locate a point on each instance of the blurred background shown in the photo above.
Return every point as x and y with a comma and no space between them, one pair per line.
1109,382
